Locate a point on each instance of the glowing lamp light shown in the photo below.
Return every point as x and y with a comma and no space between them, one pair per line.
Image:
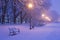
30,5
43,15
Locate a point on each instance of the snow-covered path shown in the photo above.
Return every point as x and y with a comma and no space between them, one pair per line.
47,32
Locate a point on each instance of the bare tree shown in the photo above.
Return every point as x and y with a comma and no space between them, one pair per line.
4,6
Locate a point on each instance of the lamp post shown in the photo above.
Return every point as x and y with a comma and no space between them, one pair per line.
30,7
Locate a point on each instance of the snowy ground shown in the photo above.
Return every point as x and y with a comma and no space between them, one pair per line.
48,32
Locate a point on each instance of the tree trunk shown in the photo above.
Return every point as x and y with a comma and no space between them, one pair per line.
14,11
21,19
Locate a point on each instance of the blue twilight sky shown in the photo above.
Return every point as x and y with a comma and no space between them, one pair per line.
56,5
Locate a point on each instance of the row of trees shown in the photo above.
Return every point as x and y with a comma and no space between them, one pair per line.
16,11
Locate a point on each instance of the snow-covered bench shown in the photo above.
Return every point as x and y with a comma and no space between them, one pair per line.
13,31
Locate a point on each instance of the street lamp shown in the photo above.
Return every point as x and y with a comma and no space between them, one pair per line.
30,6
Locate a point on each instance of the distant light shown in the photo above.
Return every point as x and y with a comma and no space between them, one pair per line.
47,18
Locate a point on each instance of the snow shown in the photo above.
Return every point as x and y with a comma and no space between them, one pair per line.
48,32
